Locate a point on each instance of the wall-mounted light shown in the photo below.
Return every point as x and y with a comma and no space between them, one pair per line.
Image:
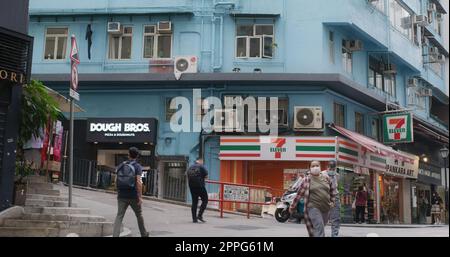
145,143
95,143
120,143
425,159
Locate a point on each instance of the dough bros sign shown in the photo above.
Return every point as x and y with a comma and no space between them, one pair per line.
398,128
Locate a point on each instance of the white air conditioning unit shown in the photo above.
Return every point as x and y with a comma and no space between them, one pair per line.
413,82
439,17
353,45
185,64
389,68
406,22
164,27
228,121
308,118
420,20
440,59
432,7
433,50
426,92
114,27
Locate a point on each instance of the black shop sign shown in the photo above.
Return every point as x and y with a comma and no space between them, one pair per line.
126,130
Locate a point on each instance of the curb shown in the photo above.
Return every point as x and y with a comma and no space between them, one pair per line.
152,198
391,226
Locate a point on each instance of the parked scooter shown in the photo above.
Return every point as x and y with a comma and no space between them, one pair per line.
282,212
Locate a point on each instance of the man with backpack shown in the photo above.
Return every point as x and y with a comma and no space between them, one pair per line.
196,176
129,191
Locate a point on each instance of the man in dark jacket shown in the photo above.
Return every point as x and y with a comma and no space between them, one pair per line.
130,195
196,176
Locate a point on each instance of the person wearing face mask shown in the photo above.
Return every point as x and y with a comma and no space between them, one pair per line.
335,212
319,194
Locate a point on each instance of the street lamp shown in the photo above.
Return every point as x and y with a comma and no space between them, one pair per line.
444,155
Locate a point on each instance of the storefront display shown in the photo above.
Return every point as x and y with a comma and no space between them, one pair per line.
390,200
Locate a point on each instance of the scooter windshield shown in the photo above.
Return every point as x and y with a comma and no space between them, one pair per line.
296,185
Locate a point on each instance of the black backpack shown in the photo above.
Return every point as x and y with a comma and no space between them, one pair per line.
126,176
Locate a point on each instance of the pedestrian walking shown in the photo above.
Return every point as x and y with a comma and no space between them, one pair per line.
129,191
319,195
436,202
335,212
360,203
197,174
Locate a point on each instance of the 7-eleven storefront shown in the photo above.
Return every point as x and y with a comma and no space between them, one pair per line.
277,161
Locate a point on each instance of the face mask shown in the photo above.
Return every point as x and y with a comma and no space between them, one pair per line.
315,170
331,172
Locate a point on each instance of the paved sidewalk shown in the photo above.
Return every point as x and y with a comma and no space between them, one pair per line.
172,220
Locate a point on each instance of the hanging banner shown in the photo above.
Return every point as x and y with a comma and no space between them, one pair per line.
398,128
74,61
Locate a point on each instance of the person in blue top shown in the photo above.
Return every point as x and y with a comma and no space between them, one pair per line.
129,191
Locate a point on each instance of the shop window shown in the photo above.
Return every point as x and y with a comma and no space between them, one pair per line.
359,123
339,114
347,59
55,43
156,45
120,44
254,41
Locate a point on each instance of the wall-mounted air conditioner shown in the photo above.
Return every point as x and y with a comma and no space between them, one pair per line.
164,27
440,59
308,118
432,7
114,28
420,20
389,68
185,64
426,92
353,45
413,82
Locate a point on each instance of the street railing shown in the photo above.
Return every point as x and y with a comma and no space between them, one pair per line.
237,193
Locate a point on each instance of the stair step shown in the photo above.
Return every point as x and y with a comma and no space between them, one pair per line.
39,223
65,210
37,179
34,185
28,232
96,229
47,203
47,197
39,191
64,217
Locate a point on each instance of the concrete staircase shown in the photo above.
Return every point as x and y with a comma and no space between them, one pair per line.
46,214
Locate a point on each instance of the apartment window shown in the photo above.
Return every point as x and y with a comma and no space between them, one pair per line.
379,4
339,114
156,45
331,45
378,79
283,105
55,43
401,18
359,123
415,99
347,58
120,44
254,41
375,129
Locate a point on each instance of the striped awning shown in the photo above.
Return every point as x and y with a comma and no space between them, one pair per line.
370,144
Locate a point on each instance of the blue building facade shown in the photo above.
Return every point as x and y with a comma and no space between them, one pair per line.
352,58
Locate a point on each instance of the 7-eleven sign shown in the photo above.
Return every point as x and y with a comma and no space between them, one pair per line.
398,128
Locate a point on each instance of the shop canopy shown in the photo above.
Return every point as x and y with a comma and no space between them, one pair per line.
370,144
